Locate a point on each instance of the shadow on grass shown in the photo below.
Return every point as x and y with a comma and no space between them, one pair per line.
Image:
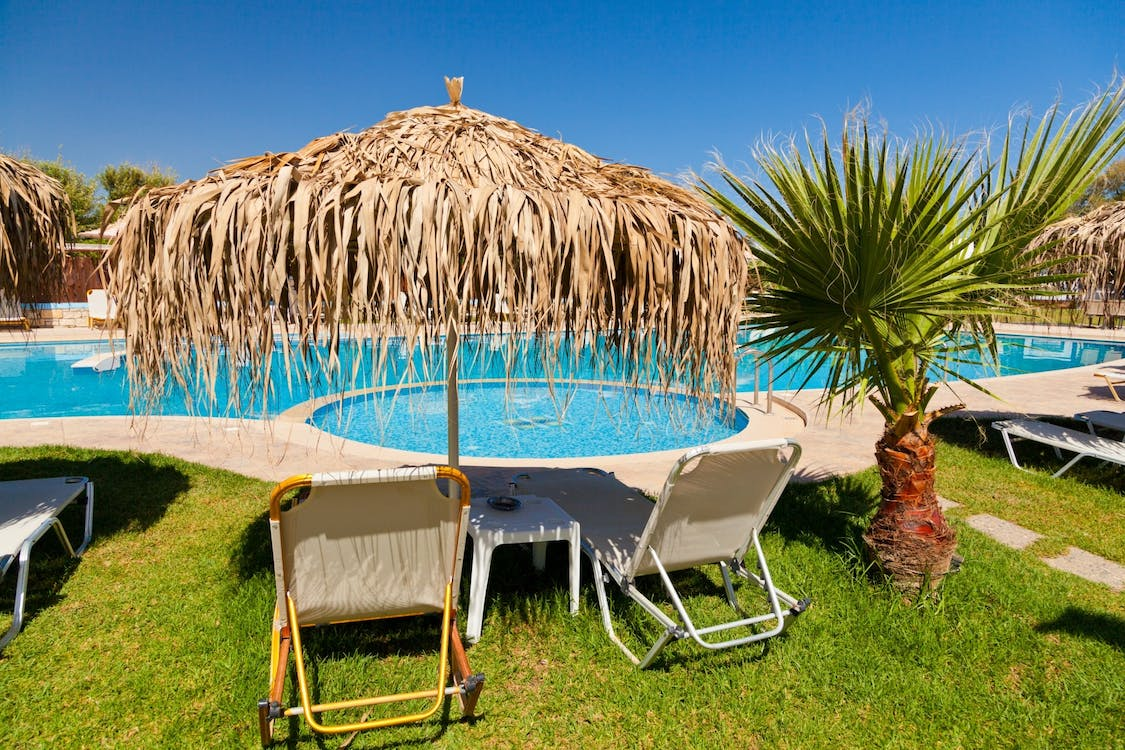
973,431
131,493
831,514
827,515
254,555
1096,626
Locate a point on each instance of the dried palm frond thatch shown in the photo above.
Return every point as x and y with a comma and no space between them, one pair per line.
434,219
1093,248
35,217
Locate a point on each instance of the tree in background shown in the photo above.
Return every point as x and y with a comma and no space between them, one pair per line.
124,180
1108,187
80,189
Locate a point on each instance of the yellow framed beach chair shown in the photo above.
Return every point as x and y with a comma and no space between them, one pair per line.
366,545
11,313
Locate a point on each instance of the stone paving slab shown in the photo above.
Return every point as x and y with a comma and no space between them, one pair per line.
1091,567
1005,532
946,504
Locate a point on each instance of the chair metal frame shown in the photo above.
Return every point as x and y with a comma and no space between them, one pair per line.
286,633
1081,444
782,606
50,522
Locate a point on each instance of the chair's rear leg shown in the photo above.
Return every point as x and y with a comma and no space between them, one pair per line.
270,710
470,684
1068,464
728,586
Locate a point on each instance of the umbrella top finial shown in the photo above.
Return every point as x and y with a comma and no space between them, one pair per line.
453,86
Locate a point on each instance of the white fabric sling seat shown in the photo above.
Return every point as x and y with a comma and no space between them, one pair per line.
366,545
29,508
712,507
1112,420
1081,444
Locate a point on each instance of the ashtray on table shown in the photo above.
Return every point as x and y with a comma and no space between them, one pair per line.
504,502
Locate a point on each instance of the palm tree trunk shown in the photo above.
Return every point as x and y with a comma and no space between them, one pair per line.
909,538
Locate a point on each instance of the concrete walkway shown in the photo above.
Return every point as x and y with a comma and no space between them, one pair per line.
832,445
1074,561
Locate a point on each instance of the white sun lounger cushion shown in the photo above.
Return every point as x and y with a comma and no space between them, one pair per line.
1113,420
26,504
350,549
1082,444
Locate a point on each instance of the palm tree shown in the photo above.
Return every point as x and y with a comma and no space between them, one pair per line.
884,261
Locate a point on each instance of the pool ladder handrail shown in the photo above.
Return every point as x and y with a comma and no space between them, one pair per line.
758,355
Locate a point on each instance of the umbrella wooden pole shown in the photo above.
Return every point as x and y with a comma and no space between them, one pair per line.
452,406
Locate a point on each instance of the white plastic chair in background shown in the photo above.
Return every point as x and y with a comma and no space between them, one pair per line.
102,310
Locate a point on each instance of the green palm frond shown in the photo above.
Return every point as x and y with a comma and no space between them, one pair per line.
883,260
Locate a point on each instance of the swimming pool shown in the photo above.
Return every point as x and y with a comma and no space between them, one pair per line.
529,419
37,380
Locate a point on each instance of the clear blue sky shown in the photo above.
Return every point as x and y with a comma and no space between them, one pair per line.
192,85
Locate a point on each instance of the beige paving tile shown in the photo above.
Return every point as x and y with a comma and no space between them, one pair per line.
1091,567
1005,532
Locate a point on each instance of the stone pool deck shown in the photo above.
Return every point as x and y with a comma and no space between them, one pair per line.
832,445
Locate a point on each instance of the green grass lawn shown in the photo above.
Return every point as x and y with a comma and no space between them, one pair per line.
158,637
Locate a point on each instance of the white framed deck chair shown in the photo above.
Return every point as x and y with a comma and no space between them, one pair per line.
1081,444
712,507
367,545
29,508
102,310
1110,420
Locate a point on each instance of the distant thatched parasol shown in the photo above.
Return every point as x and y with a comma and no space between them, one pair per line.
35,217
1094,247
435,219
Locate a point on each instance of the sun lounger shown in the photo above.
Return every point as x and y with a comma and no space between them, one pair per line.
11,313
1113,377
1081,444
359,546
1112,420
29,508
102,310
713,506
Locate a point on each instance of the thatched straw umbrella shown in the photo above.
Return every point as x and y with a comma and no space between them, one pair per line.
435,218
35,217
1093,246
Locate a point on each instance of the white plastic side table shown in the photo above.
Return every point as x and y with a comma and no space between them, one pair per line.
538,520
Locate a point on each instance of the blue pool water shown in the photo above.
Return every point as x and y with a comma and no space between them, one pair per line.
36,380
528,420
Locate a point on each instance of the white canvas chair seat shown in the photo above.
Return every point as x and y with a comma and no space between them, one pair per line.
1081,444
1112,420
29,508
714,502
363,546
